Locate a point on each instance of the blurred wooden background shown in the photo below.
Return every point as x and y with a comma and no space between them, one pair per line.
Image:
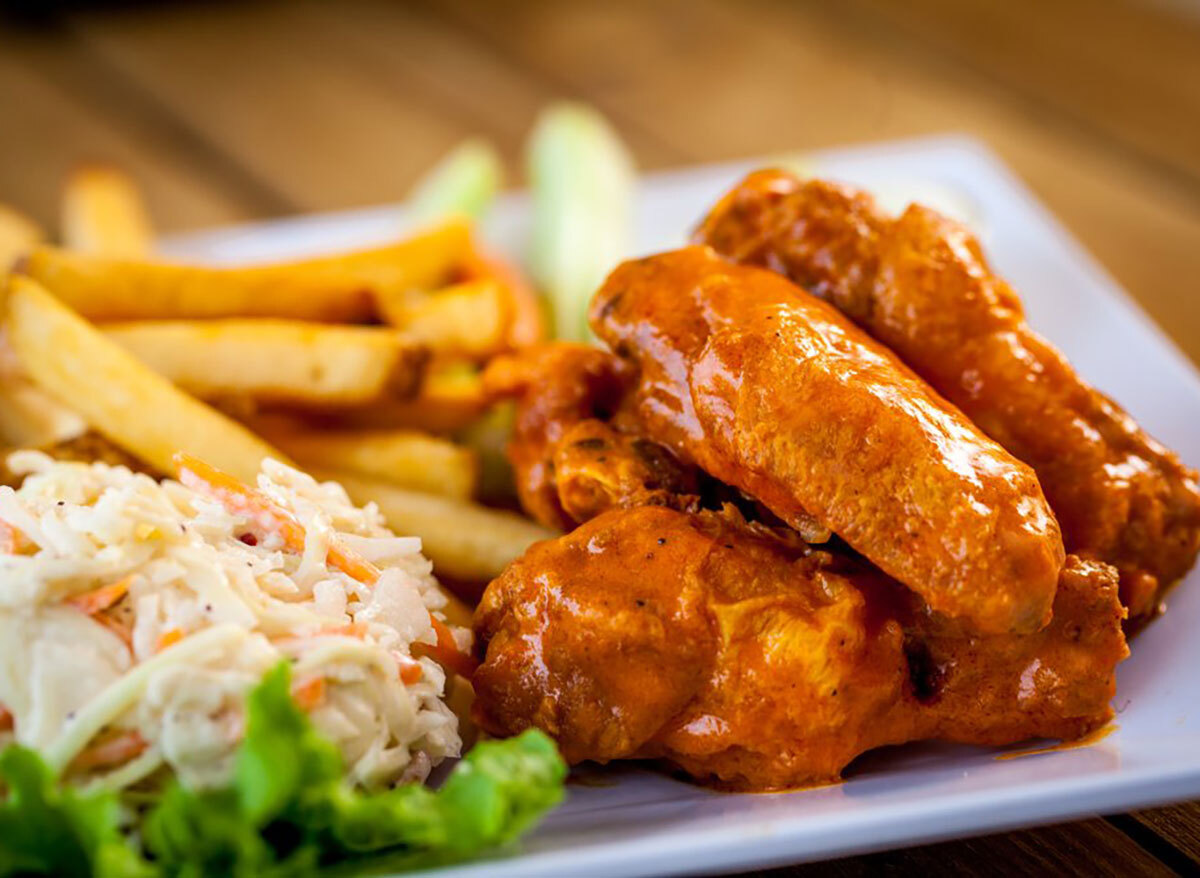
230,110
234,110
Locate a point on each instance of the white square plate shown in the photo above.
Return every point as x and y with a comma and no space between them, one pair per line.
634,822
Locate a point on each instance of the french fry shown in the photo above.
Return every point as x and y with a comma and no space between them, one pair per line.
465,541
94,447
456,611
465,320
527,323
103,213
431,414
399,457
31,418
331,288
450,399
288,361
18,235
116,393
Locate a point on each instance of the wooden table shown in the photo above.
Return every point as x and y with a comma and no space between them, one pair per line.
230,111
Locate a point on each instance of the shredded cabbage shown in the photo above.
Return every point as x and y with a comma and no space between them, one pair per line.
142,612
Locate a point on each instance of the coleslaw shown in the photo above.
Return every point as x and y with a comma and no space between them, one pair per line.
135,615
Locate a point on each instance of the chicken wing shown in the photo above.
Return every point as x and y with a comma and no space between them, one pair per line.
570,462
743,656
651,633
776,393
921,285
1000,689
976,689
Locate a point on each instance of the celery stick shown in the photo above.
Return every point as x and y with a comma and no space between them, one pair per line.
582,181
464,182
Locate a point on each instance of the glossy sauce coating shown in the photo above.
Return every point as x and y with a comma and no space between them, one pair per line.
650,633
1054,683
570,459
775,392
921,285
746,658
998,689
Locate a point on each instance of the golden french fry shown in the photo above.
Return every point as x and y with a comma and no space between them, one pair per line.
459,697
331,288
103,213
438,415
93,447
465,541
450,399
31,418
527,322
18,235
399,457
288,361
465,320
88,447
456,611
117,394
528,326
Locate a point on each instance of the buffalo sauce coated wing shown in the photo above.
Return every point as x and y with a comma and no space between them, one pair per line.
995,689
776,393
745,657
921,285
1001,689
570,461
652,633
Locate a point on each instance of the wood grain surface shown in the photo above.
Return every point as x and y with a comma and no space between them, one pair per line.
233,110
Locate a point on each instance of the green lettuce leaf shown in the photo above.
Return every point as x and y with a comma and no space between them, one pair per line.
497,792
47,830
289,810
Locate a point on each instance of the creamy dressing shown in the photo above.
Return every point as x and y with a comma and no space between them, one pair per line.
140,613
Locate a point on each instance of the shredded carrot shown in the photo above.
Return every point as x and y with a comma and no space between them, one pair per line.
95,602
446,652
354,629
309,694
13,541
352,564
243,500
239,499
168,638
100,599
6,719
117,627
410,671
113,750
